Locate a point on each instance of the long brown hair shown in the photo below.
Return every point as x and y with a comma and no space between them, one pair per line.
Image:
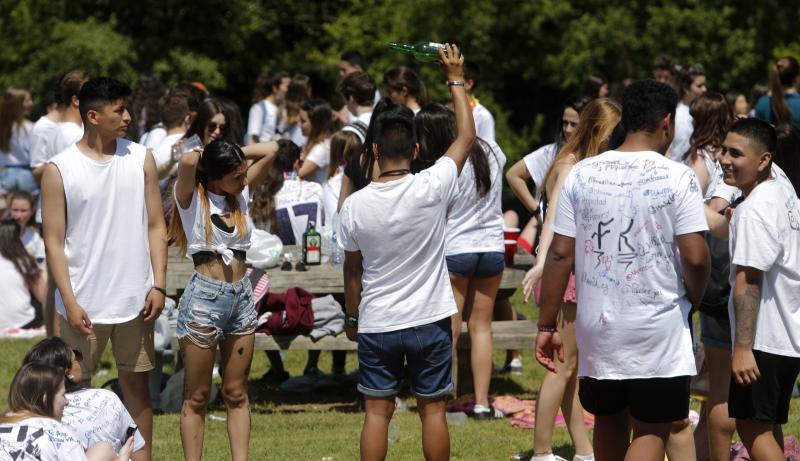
344,144
262,210
712,117
219,158
323,124
597,121
11,249
33,392
12,113
782,79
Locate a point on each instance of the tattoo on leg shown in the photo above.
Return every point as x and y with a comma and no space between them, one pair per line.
241,350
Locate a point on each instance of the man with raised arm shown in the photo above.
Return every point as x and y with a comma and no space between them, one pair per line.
397,288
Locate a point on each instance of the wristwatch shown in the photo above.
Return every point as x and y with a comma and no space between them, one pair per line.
351,322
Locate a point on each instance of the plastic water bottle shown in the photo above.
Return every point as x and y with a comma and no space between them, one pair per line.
394,432
337,254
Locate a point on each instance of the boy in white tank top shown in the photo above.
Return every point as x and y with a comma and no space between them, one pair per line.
106,241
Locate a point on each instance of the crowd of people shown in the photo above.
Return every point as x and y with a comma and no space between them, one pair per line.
654,201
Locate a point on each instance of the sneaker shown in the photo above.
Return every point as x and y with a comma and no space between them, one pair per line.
481,412
547,457
515,366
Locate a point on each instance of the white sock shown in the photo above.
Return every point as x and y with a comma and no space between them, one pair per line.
583,457
547,457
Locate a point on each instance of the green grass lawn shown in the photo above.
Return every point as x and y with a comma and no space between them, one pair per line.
327,425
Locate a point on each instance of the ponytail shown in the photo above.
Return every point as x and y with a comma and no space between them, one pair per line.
782,78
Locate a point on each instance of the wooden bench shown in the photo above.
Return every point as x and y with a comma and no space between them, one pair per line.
510,334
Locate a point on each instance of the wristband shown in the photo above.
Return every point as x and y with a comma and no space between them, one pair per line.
162,290
455,83
545,329
351,322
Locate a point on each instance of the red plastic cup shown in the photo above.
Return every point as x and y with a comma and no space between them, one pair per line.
510,233
511,250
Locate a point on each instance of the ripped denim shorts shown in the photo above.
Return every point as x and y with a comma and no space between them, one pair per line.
211,309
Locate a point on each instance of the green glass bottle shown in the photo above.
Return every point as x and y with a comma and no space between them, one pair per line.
312,246
422,51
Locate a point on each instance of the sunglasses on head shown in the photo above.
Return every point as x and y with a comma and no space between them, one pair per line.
212,126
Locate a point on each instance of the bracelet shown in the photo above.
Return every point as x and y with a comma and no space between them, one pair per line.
455,83
162,290
546,329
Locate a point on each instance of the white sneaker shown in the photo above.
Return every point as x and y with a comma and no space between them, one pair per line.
515,366
547,457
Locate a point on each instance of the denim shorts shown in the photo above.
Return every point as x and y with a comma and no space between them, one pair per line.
715,331
17,178
480,265
211,309
426,348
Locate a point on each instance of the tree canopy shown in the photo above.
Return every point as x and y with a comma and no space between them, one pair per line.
533,54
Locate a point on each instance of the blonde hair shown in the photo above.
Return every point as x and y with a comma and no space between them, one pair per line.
597,121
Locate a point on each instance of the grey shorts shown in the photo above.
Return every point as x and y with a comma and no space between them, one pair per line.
211,309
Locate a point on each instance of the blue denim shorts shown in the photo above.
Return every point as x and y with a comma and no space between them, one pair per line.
480,265
426,348
715,331
17,178
211,309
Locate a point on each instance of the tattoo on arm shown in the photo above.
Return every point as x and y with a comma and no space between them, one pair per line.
746,306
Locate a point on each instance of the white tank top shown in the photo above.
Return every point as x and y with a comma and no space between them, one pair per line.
106,240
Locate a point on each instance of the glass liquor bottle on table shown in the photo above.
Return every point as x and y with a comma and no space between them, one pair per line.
312,246
422,51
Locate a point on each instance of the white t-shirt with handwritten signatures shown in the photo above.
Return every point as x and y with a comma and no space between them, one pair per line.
98,415
625,210
40,439
765,235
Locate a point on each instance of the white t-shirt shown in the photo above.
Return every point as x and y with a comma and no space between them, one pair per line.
33,243
731,193
162,153
222,242
684,127
66,134
475,223
262,120
484,122
538,163
40,439
320,154
15,303
42,136
153,138
330,196
399,227
297,203
106,238
625,210
98,415
765,235
19,153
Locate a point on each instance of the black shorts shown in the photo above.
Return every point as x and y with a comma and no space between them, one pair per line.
767,399
652,400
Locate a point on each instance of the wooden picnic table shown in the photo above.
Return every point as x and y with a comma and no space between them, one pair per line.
322,279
